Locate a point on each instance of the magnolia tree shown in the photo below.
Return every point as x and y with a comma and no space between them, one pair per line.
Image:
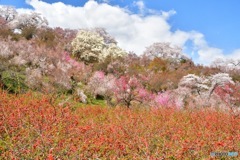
91,46
113,51
88,46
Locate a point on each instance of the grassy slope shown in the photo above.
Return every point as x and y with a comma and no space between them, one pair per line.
34,127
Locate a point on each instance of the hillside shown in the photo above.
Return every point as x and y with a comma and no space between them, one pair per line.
75,94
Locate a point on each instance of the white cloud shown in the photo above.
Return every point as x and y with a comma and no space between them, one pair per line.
140,5
134,32
235,55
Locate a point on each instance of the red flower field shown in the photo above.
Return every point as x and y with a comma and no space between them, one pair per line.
35,127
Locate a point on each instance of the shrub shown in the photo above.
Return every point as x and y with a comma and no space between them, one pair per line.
13,82
46,37
35,127
28,32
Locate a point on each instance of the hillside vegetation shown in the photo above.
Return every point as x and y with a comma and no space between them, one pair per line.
73,94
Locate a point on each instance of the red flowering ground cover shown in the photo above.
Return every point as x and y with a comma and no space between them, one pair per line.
32,127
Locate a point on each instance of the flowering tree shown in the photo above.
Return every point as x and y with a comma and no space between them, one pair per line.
162,99
95,84
28,20
8,13
202,89
5,51
20,21
103,85
129,89
195,83
219,80
87,46
226,65
2,22
108,39
230,95
113,51
95,46
164,51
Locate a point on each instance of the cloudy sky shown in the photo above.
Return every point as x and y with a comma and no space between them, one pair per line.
205,29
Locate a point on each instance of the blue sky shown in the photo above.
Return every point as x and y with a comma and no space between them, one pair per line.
217,20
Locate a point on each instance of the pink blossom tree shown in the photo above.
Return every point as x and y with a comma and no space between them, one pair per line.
230,95
102,85
129,89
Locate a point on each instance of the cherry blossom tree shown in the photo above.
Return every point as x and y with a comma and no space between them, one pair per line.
226,65
28,20
164,51
102,85
219,80
8,13
20,21
195,83
195,89
129,90
230,95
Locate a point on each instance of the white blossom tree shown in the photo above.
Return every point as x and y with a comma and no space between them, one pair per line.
195,83
28,20
8,13
95,46
164,51
200,91
18,21
226,65
113,51
88,46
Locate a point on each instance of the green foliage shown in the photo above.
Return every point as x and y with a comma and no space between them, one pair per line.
98,102
13,82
